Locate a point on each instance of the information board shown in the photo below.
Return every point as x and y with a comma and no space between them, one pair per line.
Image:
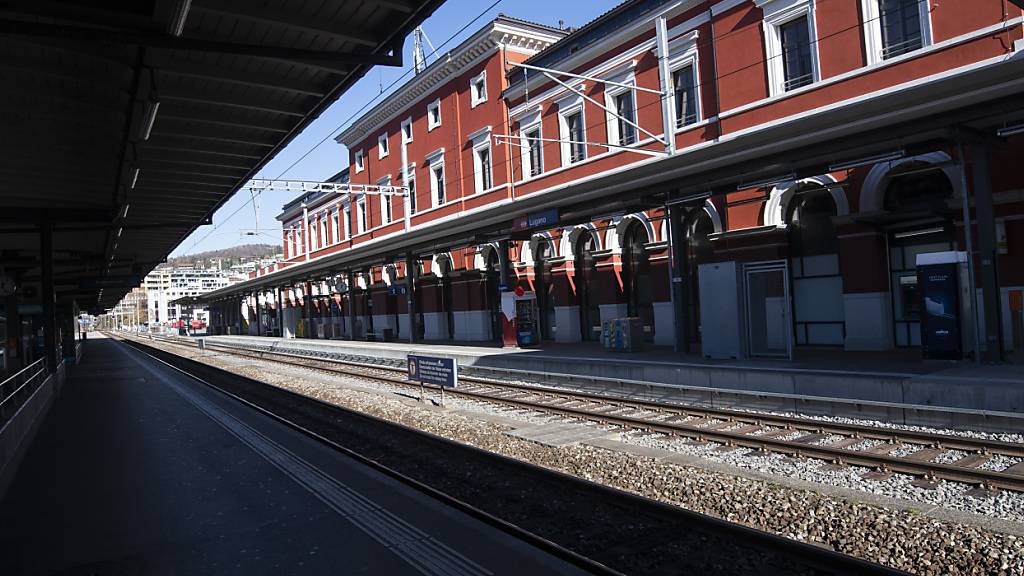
940,311
433,370
526,321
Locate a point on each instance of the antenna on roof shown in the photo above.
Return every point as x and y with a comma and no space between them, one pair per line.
419,58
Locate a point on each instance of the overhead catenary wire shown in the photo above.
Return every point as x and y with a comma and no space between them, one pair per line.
355,114
471,175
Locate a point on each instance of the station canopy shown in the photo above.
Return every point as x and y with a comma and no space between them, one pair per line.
128,123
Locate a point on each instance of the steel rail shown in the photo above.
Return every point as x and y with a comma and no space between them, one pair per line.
715,524
882,462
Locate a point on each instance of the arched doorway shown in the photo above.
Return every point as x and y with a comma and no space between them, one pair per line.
636,283
543,286
492,274
698,227
391,300
819,316
444,273
917,205
586,274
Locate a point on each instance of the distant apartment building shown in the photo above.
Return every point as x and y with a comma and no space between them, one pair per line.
165,286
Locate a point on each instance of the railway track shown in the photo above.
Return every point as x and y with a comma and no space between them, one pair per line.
599,528
883,450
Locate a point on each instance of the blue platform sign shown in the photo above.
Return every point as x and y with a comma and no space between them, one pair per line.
442,372
541,219
398,290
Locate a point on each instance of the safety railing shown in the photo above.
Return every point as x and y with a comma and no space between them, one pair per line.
19,387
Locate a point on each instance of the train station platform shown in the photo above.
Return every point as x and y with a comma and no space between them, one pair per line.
138,469
897,377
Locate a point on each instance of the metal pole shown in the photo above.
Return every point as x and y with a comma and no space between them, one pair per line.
969,241
410,306
405,180
280,312
352,304
985,213
49,327
305,231
668,96
676,271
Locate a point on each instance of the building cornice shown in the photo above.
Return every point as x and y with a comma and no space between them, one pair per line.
502,32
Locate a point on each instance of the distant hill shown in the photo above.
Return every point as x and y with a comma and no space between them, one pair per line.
231,255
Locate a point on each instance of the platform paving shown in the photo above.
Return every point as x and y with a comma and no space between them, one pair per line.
139,469
897,377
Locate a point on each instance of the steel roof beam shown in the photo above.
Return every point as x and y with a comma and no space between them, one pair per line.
319,66
159,136
149,176
143,163
176,67
194,173
246,102
201,152
151,40
219,119
247,11
400,5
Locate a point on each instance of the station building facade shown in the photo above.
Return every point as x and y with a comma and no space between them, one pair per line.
826,258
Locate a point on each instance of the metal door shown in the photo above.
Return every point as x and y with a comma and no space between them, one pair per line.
768,306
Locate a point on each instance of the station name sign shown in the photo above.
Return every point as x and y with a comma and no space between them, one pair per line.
442,372
536,220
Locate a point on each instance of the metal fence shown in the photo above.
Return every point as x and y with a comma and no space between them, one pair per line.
15,390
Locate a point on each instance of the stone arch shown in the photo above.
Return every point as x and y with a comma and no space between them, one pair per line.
526,255
390,275
571,235
777,207
712,212
617,233
483,254
872,193
437,259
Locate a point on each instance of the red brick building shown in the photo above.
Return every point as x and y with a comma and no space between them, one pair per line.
817,148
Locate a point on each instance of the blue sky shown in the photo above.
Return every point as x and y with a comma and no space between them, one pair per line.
304,159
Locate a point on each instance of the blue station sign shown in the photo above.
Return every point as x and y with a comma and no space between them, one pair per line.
543,219
442,372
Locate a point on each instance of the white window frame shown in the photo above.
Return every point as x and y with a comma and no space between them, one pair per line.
873,29
435,160
411,185
360,161
346,212
682,53
478,97
387,207
567,106
312,226
406,124
361,216
336,228
382,146
777,13
527,123
323,229
611,92
435,105
481,140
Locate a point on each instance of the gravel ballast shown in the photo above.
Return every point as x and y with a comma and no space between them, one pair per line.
898,538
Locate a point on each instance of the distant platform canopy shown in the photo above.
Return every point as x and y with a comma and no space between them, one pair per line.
128,124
